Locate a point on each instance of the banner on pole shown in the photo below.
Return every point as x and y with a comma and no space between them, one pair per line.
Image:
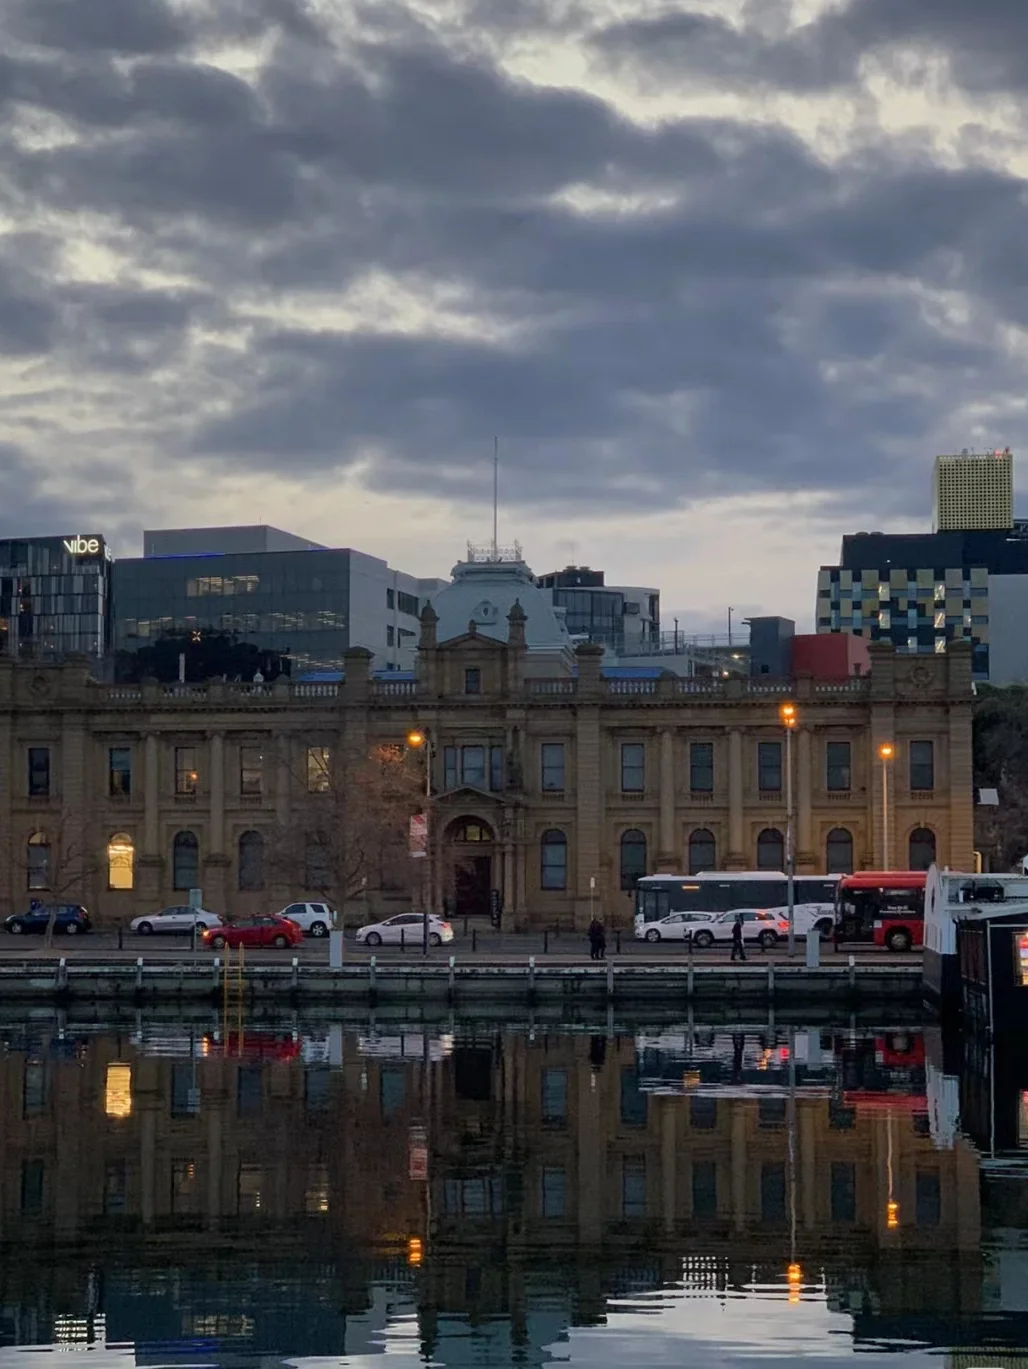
419,835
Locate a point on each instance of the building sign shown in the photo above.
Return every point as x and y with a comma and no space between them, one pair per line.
419,835
417,1155
1021,954
85,546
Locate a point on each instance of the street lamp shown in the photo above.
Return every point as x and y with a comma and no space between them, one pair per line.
885,754
787,713
417,739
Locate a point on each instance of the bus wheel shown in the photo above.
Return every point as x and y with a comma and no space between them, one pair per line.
898,940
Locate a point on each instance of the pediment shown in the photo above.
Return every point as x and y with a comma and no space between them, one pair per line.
472,641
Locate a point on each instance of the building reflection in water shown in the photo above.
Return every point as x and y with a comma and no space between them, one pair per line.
275,1194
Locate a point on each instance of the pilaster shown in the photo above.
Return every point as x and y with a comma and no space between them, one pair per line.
807,859
735,857
668,858
217,799
585,850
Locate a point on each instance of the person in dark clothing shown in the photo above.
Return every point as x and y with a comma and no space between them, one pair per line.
597,940
738,949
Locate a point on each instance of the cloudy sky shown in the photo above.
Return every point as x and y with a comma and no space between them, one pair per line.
721,275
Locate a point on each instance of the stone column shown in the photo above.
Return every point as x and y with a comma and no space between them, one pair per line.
736,855
738,1107
589,811
668,860
151,797
217,792
807,859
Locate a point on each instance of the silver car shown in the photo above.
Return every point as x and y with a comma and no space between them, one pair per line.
674,927
407,928
178,920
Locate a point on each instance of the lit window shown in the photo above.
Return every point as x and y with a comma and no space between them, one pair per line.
118,1093
319,769
121,854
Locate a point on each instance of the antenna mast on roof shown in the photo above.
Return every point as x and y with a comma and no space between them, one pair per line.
496,497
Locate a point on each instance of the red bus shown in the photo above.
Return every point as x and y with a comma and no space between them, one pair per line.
883,906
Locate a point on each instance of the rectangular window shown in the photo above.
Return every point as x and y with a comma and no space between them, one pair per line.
702,1112
317,1080
250,1090
772,1192
39,772
473,680
496,768
838,767
449,767
701,767
115,1187
555,1097
704,1189
408,603
185,1187
633,1186
390,636
472,761
37,1088
390,598
633,1100
119,772
186,776
844,1192
554,1191
392,1090
185,1091
319,769
552,767
248,1188
771,1113
769,767
32,1172
922,765
928,1198
251,770
633,768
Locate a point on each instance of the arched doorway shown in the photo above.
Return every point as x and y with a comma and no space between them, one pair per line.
470,862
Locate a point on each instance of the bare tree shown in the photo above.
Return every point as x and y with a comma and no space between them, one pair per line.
349,830
59,866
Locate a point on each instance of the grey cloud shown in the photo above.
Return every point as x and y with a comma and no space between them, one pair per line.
118,26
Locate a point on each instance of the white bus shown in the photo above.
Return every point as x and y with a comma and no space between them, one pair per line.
721,891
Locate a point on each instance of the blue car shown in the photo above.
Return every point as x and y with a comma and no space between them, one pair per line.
70,919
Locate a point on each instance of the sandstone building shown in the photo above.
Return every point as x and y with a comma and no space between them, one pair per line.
551,781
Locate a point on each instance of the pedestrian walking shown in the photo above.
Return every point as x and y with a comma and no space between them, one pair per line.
738,948
596,939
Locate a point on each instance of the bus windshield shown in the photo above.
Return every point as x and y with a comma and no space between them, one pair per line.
657,896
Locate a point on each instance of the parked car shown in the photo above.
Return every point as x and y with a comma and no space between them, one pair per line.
758,924
674,927
807,916
254,932
407,928
316,919
178,920
70,919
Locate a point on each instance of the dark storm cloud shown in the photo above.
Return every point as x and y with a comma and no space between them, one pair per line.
753,318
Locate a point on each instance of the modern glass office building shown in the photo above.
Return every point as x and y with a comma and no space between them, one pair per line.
308,604
55,596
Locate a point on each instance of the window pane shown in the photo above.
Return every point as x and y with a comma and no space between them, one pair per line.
37,1088
844,1192
473,681
554,1191
185,1091
701,767
554,851
319,769
922,765
633,767
121,856
633,1100
633,1186
251,770
702,1113
473,765
316,1084
922,849
633,858
702,852
186,775
555,1097
249,1090
120,772
38,862
185,860
704,1189
838,765
115,1187
392,1090
769,767
772,1192
251,861
553,767
185,1187
928,1198
839,852
449,767
39,771
770,850
32,1172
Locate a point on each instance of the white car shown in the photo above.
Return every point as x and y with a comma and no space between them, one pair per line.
674,927
314,919
807,916
407,928
758,924
177,920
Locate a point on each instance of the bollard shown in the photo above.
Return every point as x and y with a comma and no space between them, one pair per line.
610,980
296,972
546,940
474,940
372,975
139,973
403,939
531,978
853,973
690,978
121,937
217,970
771,980
451,986
617,941
62,973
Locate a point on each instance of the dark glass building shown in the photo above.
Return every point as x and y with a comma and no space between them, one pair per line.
55,596
622,619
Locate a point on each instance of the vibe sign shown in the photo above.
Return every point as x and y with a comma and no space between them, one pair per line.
82,546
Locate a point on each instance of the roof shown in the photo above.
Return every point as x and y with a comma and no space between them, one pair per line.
484,592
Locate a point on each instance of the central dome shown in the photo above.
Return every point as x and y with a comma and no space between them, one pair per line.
483,591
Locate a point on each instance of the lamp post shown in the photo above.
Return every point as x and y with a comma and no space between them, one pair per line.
417,739
787,713
885,754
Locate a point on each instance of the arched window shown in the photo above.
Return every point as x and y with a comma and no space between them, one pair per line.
633,857
121,862
470,829
839,852
37,861
554,860
251,861
922,848
702,851
317,867
770,850
185,861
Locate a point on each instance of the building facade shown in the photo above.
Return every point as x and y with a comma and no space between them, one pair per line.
624,619
55,596
973,491
269,588
546,789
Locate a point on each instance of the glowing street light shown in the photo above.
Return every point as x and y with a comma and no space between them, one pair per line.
886,752
787,714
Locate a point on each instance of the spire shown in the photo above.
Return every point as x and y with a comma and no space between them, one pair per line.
516,620
429,619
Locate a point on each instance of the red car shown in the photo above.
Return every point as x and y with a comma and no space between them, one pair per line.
255,932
